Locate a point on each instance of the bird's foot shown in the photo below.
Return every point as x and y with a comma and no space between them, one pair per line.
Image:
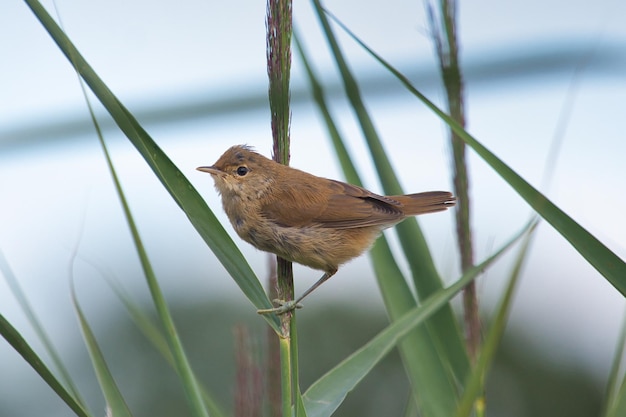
283,307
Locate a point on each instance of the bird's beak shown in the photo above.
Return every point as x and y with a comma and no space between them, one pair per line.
211,170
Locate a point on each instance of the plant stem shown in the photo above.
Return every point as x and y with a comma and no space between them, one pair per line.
286,372
448,51
279,32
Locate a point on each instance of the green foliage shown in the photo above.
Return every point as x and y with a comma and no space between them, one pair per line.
170,176
476,382
328,392
116,404
595,252
22,347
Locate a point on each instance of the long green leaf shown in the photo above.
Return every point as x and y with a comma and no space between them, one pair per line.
607,263
181,362
423,362
615,401
476,382
299,410
435,357
170,176
155,336
22,347
434,389
16,289
421,357
618,409
114,399
349,170
328,392
190,384
171,342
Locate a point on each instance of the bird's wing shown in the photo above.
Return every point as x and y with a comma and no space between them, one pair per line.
330,203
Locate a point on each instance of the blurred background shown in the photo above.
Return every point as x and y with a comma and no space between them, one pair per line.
194,74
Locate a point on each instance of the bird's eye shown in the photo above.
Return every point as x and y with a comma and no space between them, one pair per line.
241,171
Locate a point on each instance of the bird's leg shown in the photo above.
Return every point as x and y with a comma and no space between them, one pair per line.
285,306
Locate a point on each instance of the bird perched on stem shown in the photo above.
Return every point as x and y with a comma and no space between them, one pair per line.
313,221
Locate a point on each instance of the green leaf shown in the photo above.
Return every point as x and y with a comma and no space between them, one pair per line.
300,411
442,361
16,289
22,347
328,392
170,176
618,408
420,355
434,389
607,263
114,400
319,96
615,402
155,336
181,362
422,361
475,384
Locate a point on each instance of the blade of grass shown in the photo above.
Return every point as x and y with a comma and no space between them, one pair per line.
618,408
411,409
299,409
21,346
183,368
182,365
145,324
155,336
21,298
317,91
613,397
114,399
607,263
185,195
442,338
116,405
443,326
475,386
328,392
433,389
418,351
408,231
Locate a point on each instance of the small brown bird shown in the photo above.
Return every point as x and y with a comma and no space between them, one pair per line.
314,221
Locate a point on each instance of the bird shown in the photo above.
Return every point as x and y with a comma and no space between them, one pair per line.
313,221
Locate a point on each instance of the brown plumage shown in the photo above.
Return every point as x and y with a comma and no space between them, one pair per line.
314,221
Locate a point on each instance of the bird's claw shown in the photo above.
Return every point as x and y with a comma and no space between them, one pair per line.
283,307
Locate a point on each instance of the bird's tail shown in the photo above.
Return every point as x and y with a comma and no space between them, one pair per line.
428,202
